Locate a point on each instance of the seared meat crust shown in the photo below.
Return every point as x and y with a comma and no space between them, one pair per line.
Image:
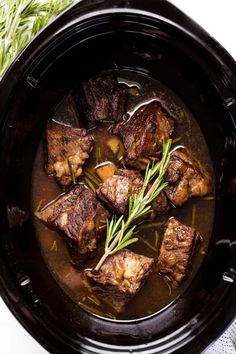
103,99
68,148
177,249
120,277
186,177
143,134
116,190
81,217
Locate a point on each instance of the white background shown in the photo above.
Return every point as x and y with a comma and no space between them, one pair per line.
219,19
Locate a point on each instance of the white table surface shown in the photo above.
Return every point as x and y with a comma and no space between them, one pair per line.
218,18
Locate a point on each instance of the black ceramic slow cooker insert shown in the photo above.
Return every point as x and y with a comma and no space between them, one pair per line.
90,38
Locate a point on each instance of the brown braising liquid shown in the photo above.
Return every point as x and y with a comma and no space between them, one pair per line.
158,291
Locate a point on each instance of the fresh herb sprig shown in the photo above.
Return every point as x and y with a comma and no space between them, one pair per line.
20,21
121,231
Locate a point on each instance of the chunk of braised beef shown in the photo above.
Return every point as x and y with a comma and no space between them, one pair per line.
102,99
120,278
143,134
160,204
186,177
177,249
81,218
116,190
67,113
67,150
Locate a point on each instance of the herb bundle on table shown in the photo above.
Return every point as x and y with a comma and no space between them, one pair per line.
121,231
20,21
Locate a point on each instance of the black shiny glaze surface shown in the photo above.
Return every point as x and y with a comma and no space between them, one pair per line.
82,43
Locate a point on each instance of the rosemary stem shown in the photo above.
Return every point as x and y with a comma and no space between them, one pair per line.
114,242
107,252
149,193
102,260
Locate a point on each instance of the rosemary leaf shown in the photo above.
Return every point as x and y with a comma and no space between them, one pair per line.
156,238
71,171
91,176
194,215
90,184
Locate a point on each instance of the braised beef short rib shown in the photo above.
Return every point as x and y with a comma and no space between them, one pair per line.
120,278
177,249
116,190
81,218
67,150
102,99
186,177
143,134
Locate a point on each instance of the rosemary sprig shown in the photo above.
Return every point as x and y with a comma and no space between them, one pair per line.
20,21
120,231
147,243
